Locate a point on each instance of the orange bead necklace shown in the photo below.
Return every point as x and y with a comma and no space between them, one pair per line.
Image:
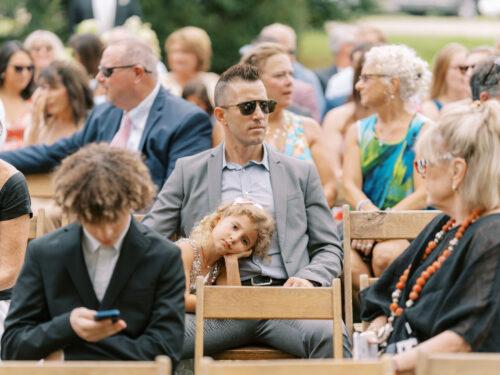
396,310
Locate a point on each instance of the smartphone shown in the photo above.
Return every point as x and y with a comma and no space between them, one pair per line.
114,315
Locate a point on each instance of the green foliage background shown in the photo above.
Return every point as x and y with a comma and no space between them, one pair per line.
230,23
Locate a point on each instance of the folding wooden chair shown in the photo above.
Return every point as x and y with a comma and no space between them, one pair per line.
236,302
458,363
161,366
40,185
376,225
37,225
297,367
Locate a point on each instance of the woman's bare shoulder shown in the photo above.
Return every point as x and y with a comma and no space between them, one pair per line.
6,172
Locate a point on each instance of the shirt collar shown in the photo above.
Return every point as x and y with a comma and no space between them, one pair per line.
264,162
142,109
93,244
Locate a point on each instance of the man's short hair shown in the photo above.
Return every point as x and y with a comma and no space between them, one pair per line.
238,72
137,52
486,78
100,182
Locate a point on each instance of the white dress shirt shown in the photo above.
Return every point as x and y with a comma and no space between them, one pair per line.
138,117
101,260
104,14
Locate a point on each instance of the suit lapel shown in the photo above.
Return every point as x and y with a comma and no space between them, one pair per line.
214,178
76,266
154,115
278,183
134,245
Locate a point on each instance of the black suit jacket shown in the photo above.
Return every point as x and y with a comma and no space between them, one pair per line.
147,286
79,10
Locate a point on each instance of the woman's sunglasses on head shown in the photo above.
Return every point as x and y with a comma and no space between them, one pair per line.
247,108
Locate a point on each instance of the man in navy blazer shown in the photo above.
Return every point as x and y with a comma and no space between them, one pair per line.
159,125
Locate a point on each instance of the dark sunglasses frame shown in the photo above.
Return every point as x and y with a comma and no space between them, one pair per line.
248,108
108,71
20,68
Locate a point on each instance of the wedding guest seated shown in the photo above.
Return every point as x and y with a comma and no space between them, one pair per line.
378,161
293,135
45,47
449,79
106,260
189,53
15,212
61,103
441,294
236,230
16,87
485,80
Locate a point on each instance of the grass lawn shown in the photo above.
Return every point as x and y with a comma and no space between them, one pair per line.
314,51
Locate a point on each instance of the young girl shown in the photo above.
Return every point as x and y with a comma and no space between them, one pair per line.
236,229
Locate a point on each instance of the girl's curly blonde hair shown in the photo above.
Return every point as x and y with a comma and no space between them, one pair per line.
264,224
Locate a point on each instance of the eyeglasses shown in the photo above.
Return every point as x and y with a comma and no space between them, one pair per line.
464,68
247,108
422,165
19,68
366,77
108,71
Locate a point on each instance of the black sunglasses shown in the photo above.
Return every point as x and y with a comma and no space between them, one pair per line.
247,108
108,71
19,68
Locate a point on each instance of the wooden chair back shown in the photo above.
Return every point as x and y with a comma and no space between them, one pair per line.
376,225
37,225
236,302
161,366
40,185
458,363
297,367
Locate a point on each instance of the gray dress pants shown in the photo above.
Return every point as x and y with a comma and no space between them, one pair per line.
301,338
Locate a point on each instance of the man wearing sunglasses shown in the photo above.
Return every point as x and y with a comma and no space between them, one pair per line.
139,115
305,250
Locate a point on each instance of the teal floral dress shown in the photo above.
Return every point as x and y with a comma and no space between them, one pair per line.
387,168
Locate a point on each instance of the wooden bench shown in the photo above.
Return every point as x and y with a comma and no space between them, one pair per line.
458,364
376,225
297,367
161,366
37,225
236,302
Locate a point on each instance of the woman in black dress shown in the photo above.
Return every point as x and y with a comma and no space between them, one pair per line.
15,212
441,294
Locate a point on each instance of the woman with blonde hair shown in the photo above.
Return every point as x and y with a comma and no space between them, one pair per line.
45,47
294,135
189,53
449,80
378,161
441,294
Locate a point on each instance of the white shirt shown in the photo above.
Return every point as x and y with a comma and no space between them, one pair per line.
104,14
340,84
138,117
101,260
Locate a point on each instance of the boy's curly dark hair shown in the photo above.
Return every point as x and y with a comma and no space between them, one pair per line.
99,182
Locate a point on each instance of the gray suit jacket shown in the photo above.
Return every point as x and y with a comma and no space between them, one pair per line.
308,242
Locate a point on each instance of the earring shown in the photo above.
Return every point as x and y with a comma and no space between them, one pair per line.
392,97
454,188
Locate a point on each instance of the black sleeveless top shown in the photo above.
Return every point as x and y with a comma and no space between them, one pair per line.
14,202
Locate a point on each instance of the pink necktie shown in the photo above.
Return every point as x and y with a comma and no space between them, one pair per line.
121,137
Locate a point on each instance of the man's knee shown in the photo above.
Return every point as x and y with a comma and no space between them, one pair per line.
318,339
384,254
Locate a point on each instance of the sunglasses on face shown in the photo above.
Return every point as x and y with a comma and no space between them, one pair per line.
19,68
422,165
247,108
108,71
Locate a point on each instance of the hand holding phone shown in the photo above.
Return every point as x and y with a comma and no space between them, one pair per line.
113,314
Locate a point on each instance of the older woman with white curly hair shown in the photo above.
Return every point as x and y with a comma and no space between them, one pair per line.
378,161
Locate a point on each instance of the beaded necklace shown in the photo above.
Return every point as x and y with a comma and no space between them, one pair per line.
385,331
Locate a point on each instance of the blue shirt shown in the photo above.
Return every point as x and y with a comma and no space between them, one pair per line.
253,181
